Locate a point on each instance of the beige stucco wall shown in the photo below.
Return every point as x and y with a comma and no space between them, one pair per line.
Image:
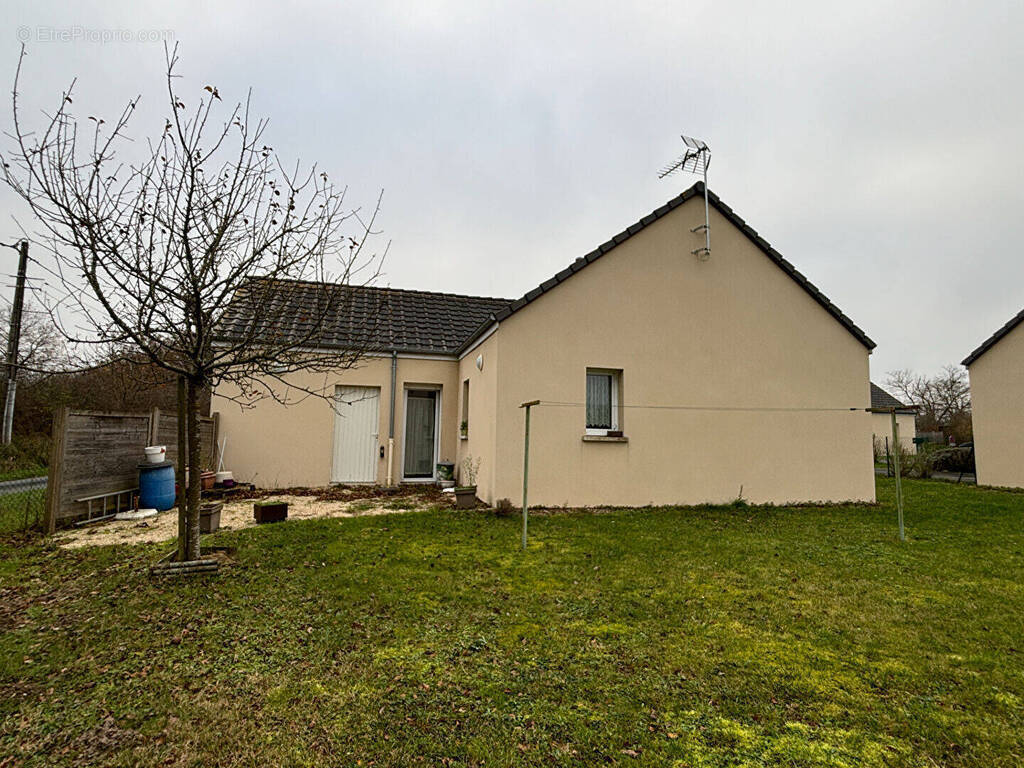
278,446
734,331
881,427
480,440
997,411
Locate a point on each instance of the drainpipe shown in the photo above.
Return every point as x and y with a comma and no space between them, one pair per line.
391,419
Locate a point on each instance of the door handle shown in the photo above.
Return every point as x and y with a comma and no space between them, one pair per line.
382,451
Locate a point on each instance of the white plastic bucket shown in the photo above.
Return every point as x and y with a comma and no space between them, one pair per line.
223,475
155,453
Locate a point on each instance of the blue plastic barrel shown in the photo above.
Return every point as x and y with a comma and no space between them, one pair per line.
156,485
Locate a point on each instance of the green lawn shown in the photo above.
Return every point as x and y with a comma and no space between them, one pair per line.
669,637
21,509
20,474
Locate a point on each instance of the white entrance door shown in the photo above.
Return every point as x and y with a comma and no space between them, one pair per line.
355,434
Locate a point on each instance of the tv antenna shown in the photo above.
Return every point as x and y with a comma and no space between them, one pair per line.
695,159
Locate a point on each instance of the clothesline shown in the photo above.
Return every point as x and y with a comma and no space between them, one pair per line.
779,409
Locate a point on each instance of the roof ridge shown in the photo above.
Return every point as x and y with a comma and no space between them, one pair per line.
749,232
385,288
991,341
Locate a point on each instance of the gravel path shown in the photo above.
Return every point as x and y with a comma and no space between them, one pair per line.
236,514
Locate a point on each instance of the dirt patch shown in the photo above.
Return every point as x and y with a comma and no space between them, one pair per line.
104,739
237,513
425,492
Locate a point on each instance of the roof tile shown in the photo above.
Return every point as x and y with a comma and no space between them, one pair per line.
364,317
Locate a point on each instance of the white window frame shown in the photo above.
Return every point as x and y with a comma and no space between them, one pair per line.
616,376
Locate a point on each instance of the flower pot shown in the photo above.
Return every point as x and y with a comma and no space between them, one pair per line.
465,497
206,480
209,517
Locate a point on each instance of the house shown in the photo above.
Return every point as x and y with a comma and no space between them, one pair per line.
996,370
881,423
664,378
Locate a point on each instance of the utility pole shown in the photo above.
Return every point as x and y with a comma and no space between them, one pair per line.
13,340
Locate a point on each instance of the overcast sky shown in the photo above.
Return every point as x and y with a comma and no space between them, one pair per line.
876,145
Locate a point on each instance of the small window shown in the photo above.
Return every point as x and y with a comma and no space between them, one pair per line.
602,401
464,426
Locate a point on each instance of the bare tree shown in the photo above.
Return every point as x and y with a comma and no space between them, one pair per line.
41,349
944,400
187,253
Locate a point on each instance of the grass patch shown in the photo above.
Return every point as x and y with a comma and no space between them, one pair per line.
20,510
714,636
20,474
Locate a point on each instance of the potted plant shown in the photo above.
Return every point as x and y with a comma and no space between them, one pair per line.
446,474
465,494
464,429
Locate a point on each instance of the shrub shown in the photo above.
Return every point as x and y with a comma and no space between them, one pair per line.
470,468
25,452
505,507
918,464
915,463
953,459
878,450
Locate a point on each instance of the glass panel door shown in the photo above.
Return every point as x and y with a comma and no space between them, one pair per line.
420,432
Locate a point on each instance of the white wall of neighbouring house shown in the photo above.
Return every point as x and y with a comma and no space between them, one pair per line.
281,446
745,350
479,444
881,427
997,412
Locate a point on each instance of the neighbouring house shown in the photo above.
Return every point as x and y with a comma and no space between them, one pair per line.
881,423
664,378
996,370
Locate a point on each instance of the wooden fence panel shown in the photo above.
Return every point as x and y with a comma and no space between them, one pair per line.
95,453
101,455
167,434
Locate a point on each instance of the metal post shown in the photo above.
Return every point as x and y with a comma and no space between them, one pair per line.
391,419
13,340
707,221
526,464
896,466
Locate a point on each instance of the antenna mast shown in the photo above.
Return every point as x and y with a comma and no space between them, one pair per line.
695,159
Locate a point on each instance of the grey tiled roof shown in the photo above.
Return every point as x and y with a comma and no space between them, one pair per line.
357,317
370,318
882,399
